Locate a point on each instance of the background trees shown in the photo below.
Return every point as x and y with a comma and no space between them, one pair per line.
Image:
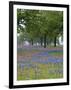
39,26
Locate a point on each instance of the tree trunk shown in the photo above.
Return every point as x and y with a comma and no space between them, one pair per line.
41,40
45,41
54,41
32,42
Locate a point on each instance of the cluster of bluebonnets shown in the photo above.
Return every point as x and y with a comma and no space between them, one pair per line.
54,65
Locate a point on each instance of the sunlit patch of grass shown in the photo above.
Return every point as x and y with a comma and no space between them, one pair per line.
57,53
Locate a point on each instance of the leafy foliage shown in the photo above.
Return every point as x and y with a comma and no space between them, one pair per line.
40,24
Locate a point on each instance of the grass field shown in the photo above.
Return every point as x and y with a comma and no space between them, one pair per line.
33,64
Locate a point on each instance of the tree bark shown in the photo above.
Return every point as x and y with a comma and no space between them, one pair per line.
41,41
54,41
45,41
32,42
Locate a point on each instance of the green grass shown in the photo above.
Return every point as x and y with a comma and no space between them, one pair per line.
56,53
43,72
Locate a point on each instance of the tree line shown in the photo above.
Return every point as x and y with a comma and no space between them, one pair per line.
40,26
